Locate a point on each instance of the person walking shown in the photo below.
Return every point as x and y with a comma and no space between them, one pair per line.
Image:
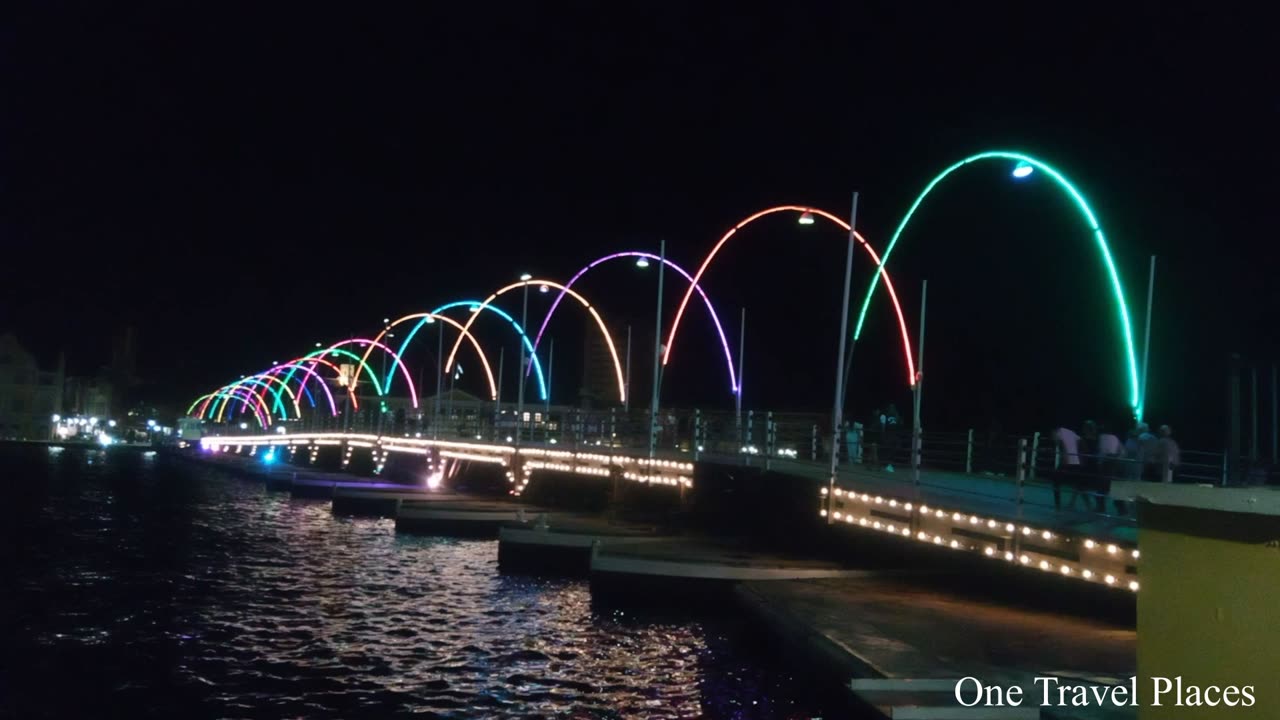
874,430
1149,454
1110,465
889,436
1068,472
1168,454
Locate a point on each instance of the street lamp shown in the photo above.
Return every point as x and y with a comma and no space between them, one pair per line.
642,262
1023,169
524,321
806,218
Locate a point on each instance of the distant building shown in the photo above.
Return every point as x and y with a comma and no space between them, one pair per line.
599,375
29,396
91,397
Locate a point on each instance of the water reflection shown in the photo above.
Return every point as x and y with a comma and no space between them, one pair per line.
167,592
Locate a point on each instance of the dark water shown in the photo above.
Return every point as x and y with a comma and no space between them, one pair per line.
139,587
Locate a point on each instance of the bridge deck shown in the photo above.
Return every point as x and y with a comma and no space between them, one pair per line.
908,632
984,495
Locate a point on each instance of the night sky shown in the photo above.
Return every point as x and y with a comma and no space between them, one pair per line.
239,182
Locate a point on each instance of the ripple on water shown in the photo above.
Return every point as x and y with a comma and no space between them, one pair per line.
193,594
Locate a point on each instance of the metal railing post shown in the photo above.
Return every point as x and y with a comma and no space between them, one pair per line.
770,439
1035,454
613,426
968,453
1225,467
1022,467
813,443
697,434
916,438
749,437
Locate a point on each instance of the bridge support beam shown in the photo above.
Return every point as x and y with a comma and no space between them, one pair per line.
1209,583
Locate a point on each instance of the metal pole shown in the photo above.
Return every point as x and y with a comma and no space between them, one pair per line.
524,321
657,353
546,411
1146,343
551,366
742,347
917,426
837,410
382,401
626,401
497,407
453,376
435,420
1253,407
1275,436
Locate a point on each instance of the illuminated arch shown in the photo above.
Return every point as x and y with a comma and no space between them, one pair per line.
261,379
1091,220
724,342
413,394
244,395
425,317
317,357
302,382
902,322
534,366
302,386
197,401
254,386
622,386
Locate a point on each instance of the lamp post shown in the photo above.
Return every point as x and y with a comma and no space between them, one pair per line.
497,408
657,355
837,411
737,394
382,402
626,385
435,413
520,393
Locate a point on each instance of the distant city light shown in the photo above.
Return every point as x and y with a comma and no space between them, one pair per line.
104,439
57,418
280,429
111,423
1023,169
269,457
244,426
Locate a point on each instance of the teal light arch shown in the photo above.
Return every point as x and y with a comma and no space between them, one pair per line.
243,382
472,305
1122,308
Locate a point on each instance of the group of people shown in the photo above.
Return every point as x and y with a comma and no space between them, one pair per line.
1089,460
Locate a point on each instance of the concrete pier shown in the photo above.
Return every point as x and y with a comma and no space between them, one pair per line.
899,642
562,543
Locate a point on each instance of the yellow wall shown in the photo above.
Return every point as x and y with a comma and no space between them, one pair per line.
1209,608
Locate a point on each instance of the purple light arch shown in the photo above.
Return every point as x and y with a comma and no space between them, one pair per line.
724,342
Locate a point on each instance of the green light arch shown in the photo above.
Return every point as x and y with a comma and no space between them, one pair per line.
224,398
339,351
1091,220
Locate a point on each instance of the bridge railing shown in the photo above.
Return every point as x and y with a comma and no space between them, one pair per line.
1008,464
